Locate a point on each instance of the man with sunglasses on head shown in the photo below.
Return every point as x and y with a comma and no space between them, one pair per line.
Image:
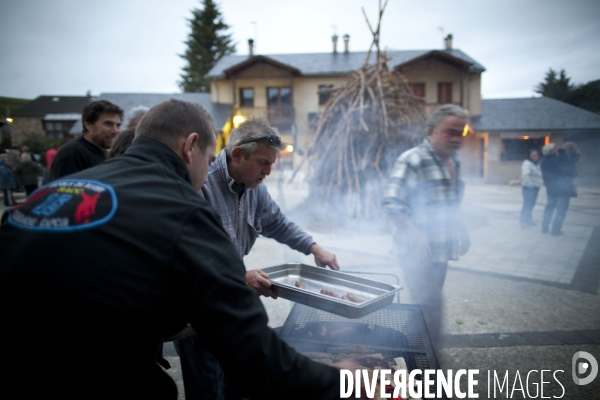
234,188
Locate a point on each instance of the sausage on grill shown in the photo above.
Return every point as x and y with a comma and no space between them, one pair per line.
330,293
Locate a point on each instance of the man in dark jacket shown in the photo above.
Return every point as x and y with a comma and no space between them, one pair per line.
107,263
101,123
558,173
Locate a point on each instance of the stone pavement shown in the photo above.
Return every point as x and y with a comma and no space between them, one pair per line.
519,300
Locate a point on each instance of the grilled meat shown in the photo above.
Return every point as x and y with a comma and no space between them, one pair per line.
353,298
330,293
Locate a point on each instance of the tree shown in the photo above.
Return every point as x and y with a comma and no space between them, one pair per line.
587,96
206,44
559,88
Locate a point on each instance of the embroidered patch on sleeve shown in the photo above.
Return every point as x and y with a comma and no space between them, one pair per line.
66,205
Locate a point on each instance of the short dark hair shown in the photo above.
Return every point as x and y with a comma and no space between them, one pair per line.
91,111
173,119
121,143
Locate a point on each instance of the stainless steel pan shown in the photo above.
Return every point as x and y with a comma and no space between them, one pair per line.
375,294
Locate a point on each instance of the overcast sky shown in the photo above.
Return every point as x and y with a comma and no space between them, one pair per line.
67,47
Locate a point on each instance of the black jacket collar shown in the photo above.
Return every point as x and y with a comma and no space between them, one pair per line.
154,151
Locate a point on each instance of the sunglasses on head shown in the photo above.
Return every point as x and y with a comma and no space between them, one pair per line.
271,140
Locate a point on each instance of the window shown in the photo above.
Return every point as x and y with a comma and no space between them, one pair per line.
247,97
57,130
279,96
324,93
517,149
444,92
418,89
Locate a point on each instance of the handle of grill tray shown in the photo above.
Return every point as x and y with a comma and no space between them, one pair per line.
379,273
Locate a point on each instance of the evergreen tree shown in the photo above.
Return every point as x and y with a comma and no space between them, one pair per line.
207,43
556,86
587,96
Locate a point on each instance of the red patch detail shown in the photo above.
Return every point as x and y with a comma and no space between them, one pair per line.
86,208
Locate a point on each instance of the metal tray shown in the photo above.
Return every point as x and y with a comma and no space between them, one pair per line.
375,294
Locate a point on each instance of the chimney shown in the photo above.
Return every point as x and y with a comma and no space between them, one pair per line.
448,42
334,38
346,40
251,47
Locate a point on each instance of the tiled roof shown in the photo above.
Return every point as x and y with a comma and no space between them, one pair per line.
52,105
339,63
127,101
535,113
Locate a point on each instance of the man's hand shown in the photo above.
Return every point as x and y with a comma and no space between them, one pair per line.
323,257
353,366
348,363
260,282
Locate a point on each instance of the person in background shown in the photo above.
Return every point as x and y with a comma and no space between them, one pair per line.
46,161
423,199
29,172
101,123
8,181
135,254
573,154
13,159
121,143
49,156
531,180
558,171
25,149
135,115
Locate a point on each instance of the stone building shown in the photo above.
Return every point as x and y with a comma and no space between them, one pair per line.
50,116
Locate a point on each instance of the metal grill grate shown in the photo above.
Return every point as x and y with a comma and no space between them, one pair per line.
403,329
397,330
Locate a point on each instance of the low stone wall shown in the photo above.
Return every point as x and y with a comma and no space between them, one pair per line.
21,127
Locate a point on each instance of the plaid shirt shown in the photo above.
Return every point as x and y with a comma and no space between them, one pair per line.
254,214
420,186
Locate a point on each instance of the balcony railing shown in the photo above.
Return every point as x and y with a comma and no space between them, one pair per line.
278,115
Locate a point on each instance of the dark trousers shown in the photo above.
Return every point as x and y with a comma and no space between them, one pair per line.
8,197
530,195
561,205
203,378
425,284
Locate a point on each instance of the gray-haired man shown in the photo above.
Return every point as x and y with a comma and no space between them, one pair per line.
423,199
234,188
134,116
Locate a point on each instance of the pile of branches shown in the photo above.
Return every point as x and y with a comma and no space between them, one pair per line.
364,127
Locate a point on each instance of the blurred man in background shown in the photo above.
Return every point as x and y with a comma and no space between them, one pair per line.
101,123
135,115
423,200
